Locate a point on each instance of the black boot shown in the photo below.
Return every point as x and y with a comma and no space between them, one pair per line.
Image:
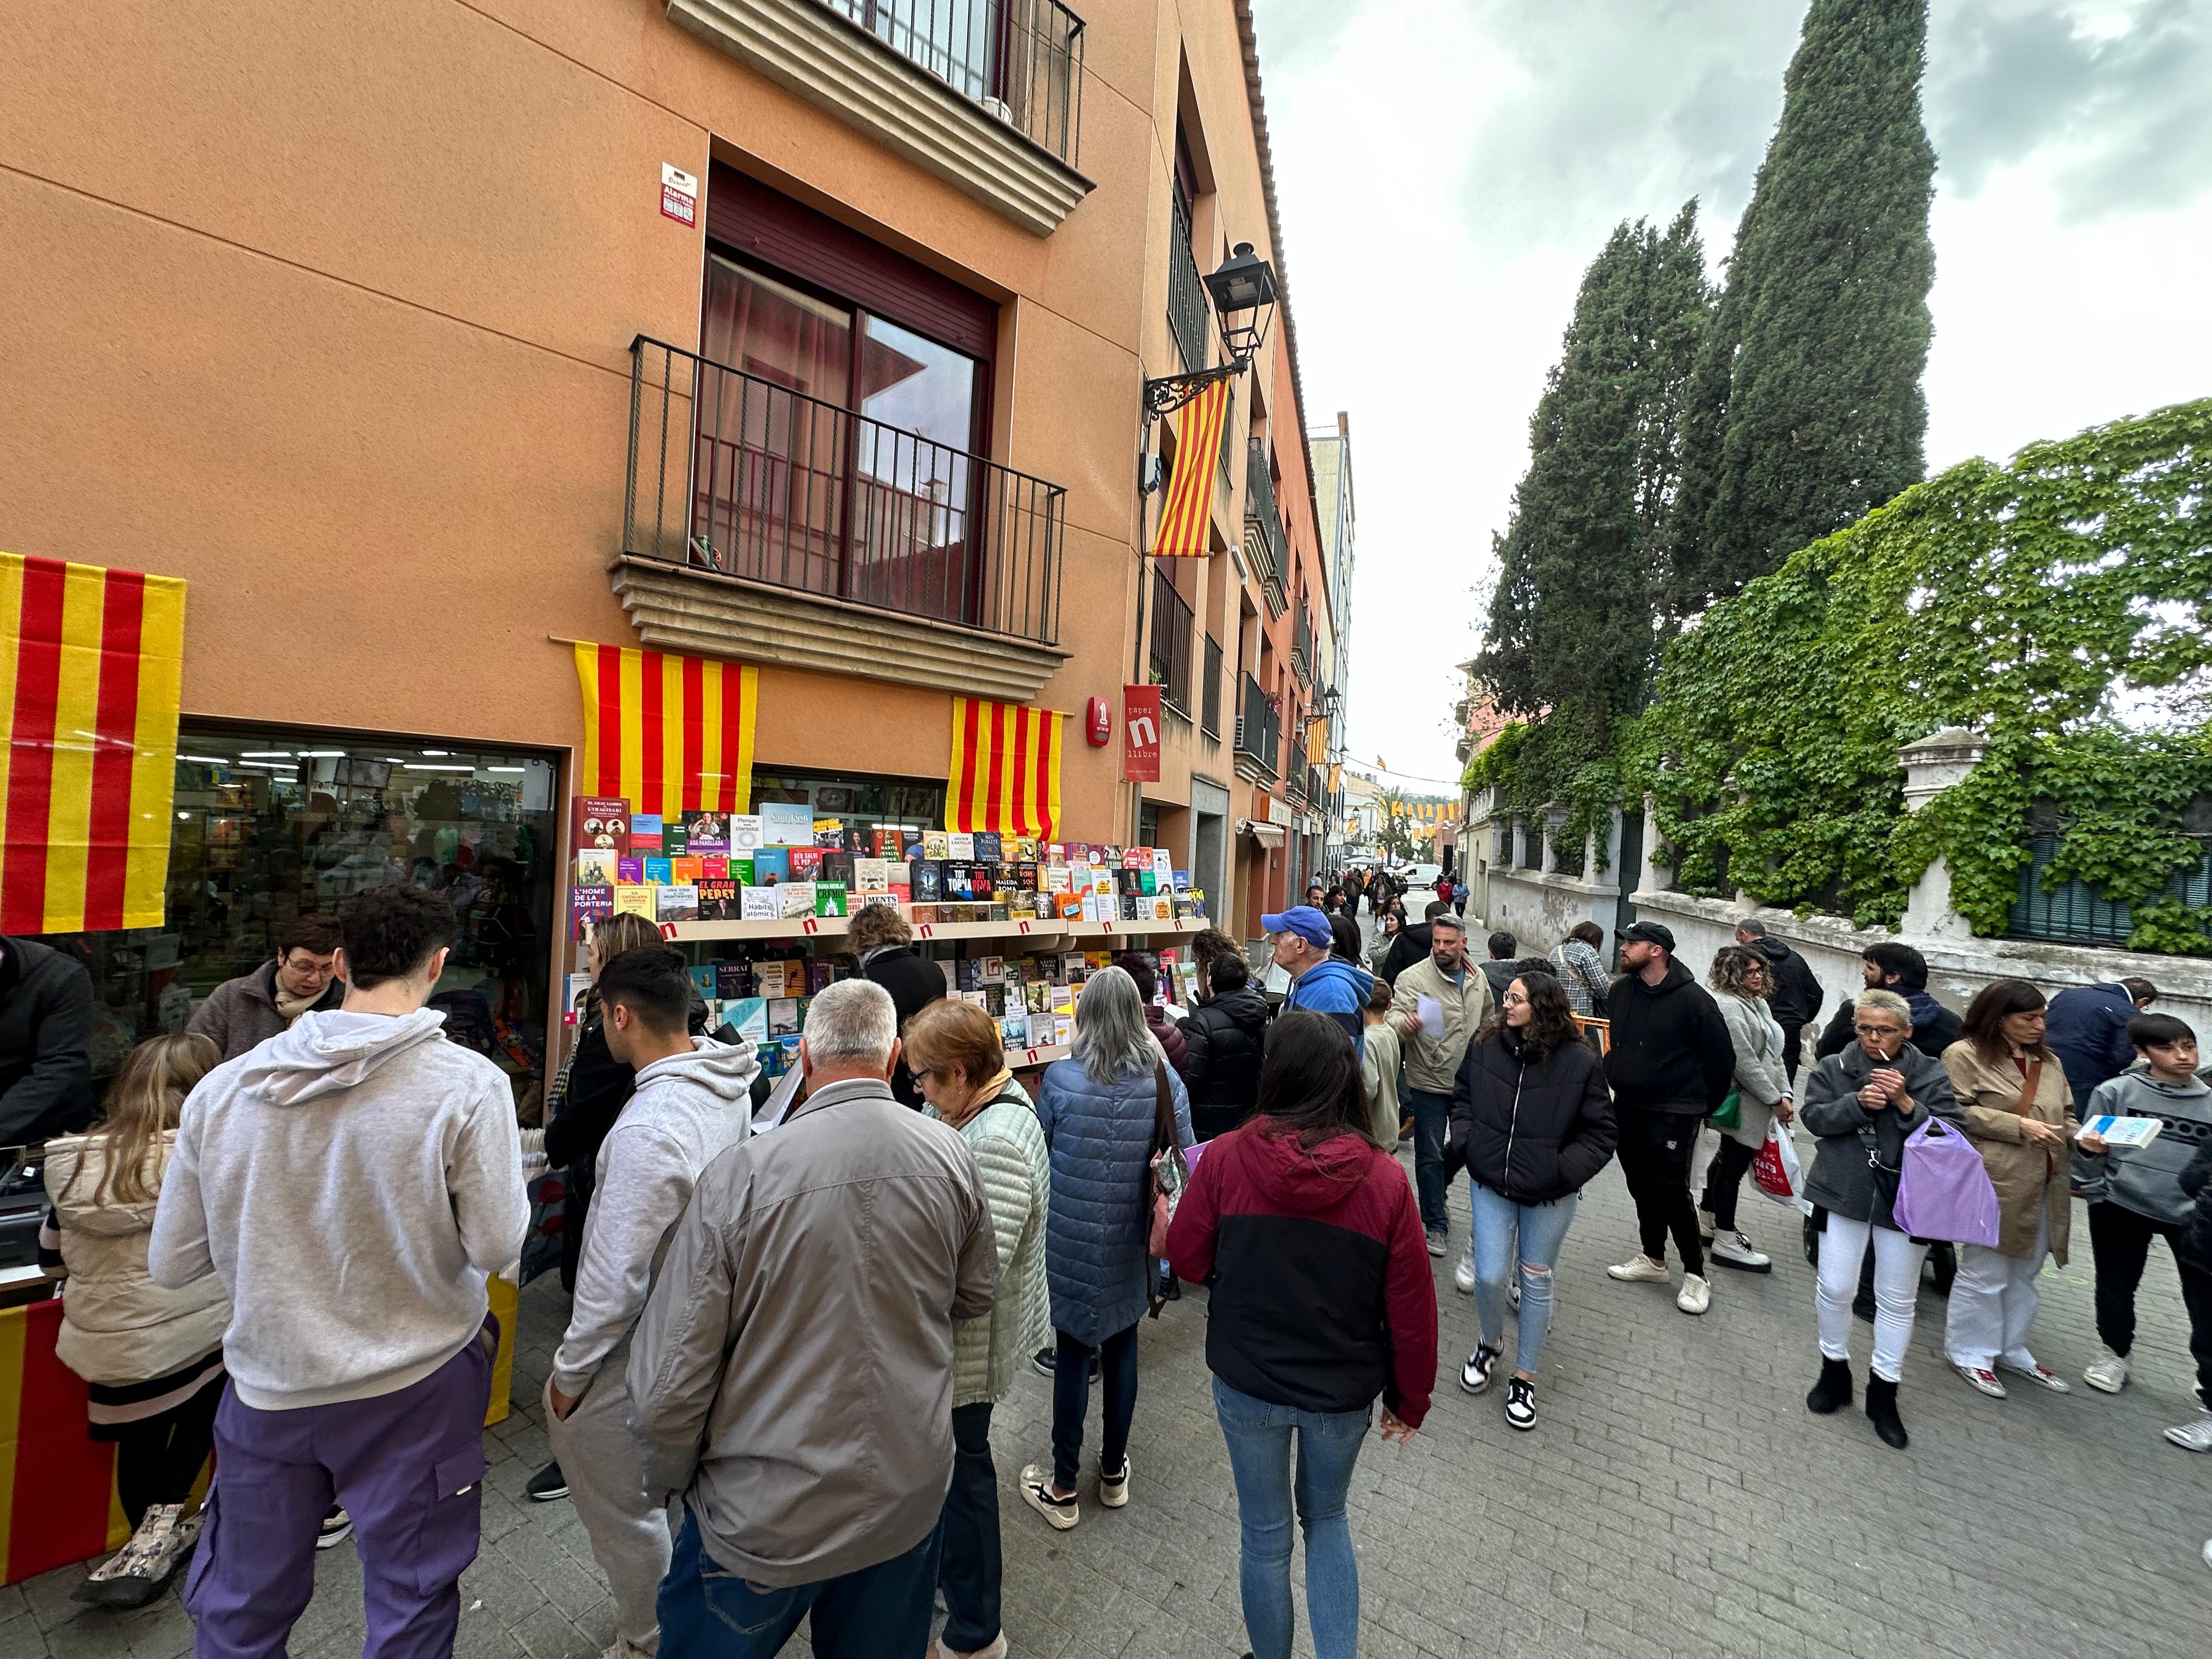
1881,1412
1834,1391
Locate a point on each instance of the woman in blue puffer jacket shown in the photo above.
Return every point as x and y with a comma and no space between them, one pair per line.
1097,1108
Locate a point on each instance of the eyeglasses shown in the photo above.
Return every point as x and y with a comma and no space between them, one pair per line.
922,1075
1878,1031
1514,1001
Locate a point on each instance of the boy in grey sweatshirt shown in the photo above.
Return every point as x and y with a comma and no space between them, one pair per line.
2135,1195
352,1183
693,1100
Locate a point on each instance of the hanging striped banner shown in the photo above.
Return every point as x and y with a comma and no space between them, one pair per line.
667,734
1188,508
91,671
1005,769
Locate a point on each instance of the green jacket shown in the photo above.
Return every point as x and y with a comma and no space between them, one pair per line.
1010,1150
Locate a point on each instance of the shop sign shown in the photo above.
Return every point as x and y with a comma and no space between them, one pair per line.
1278,813
679,195
1140,733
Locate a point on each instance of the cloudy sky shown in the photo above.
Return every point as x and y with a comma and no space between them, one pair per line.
1447,167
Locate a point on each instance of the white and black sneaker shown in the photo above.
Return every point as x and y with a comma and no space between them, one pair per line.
1733,1249
1521,1402
338,1527
548,1485
1474,1376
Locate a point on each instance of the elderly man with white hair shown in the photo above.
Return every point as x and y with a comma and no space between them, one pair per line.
792,1375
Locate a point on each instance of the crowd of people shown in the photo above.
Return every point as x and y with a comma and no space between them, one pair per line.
278,1238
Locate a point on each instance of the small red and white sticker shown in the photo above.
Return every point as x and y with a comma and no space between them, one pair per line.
679,195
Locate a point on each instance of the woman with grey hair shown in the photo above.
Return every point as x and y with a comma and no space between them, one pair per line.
1098,1109
1862,1103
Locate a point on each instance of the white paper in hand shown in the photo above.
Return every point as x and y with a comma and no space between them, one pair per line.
2125,1130
1432,1012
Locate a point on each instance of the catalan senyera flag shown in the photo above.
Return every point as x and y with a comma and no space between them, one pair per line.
91,672
1189,506
1004,773
665,732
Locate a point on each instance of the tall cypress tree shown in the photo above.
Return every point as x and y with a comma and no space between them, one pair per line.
1570,629
1806,409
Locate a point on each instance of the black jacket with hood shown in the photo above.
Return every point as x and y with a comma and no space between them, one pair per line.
1413,943
1531,1129
46,1042
1225,1037
1796,996
1669,1048
1935,1028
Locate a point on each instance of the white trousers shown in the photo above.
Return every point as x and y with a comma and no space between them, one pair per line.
1897,1262
606,1473
1993,1302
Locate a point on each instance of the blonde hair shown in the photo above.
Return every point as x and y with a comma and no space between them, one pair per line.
625,931
143,1104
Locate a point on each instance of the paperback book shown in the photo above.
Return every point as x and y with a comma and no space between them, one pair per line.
645,832
588,907
596,866
674,903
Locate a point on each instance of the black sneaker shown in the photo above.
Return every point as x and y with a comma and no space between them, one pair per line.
548,1485
1521,1402
338,1527
1474,1376
1044,1362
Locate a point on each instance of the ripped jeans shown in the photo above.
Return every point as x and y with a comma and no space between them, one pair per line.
1541,1228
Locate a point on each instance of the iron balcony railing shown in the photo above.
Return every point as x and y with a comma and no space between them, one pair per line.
1265,545
1209,720
1190,314
734,473
1170,640
1259,735
1302,647
1313,792
1021,60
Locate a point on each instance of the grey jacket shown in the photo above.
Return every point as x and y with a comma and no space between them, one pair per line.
2147,1178
1759,1079
241,1013
685,1113
1841,1180
792,1375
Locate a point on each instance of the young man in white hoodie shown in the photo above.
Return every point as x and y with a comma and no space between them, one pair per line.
352,1183
692,1103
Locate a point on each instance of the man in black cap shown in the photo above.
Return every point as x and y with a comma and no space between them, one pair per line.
1669,1062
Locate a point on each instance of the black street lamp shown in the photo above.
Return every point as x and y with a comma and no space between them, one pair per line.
1243,292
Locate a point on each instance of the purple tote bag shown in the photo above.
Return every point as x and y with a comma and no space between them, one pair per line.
1945,1192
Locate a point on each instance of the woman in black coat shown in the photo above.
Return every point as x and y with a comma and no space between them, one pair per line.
1533,1123
1224,1036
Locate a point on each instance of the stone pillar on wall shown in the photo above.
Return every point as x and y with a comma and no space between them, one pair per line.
1555,819
1931,766
1520,840
1647,878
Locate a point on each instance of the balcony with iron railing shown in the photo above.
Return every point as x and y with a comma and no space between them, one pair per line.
1267,550
1258,736
1171,630
1209,720
988,95
1302,647
823,538
1190,313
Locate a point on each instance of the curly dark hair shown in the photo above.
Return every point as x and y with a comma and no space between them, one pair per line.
389,932
1731,972
1551,1016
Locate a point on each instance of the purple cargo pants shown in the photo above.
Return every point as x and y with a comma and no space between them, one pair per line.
409,1468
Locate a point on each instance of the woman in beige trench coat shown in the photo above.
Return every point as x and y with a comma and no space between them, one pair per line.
2014,1097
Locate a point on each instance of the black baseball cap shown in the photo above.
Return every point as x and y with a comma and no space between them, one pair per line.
1649,932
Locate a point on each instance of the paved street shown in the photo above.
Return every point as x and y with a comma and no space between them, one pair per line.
1674,1499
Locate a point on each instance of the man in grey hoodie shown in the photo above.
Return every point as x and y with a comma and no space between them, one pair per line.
693,1100
352,1181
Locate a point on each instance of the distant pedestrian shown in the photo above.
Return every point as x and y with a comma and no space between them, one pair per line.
2018,1111
2086,1027
1321,1301
1739,982
1412,941
1532,1121
2135,1195
793,1375
1504,953
1669,1064
151,1358
691,1103
1581,970
1794,995
1099,1109
351,1183
1224,1036
1437,1004
1380,1057
960,1068
1862,1103
880,937
1386,935
1887,965
1176,1051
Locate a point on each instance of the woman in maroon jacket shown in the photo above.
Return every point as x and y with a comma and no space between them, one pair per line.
1322,1300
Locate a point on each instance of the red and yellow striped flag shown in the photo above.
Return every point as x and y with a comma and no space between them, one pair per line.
1188,508
667,734
1005,769
91,672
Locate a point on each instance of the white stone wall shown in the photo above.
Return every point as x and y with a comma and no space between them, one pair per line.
1539,909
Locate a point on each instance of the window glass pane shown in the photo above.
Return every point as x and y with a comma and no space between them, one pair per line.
776,333
907,381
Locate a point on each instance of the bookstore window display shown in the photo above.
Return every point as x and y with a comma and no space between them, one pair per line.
272,825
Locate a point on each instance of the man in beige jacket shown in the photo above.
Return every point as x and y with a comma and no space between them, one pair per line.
1438,1005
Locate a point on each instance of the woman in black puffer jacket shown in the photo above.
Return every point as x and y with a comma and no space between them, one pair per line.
1225,1035
1532,1121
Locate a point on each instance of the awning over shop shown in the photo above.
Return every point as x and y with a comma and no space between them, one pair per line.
1268,834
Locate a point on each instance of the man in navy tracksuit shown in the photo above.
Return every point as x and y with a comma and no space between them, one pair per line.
2087,1028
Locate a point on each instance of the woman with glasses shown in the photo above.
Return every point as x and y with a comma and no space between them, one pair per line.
1531,1120
1862,1103
1741,982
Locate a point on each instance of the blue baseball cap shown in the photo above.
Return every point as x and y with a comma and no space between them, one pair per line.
1308,923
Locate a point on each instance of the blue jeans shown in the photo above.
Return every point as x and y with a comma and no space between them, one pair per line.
1432,1119
1542,1228
1258,1437
707,1612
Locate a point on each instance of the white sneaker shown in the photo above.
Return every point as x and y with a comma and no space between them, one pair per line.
1733,1249
1114,1490
2208,1551
2038,1373
2107,1374
1060,1513
1513,1291
2193,1436
1640,1270
1705,1225
1696,1295
1980,1377
1463,1277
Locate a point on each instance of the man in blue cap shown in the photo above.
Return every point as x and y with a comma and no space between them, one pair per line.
1300,939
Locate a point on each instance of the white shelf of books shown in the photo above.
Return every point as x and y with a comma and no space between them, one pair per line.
1118,929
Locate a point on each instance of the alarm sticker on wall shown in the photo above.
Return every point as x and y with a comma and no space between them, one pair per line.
679,195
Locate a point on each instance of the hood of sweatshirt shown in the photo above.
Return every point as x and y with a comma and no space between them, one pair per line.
1247,1005
724,1069
326,1052
1301,1179
1321,973
1676,977
1925,1008
2139,1075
